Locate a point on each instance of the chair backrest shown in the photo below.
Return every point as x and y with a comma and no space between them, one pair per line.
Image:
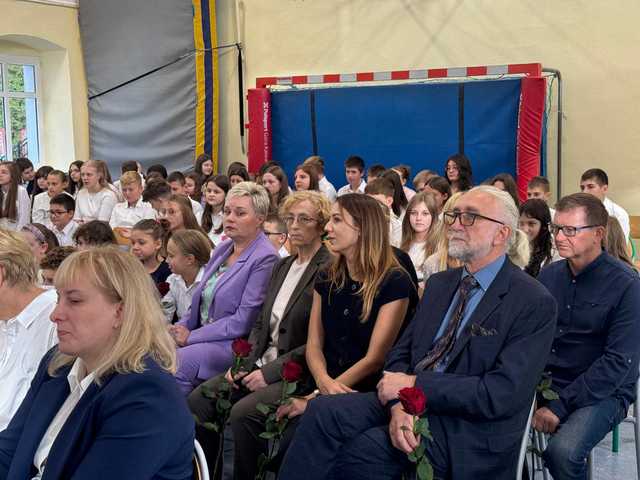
200,467
525,440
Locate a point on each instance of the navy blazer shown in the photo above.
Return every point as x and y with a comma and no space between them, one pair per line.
482,399
131,427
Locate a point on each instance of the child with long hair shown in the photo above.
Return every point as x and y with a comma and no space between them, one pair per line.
420,230
147,241
458,173
440,189
95,201
306,178
179,214
40,180
15,205
534,221
215,191
276,183
75,178
188,251
400,201
204,165
193,186
616,243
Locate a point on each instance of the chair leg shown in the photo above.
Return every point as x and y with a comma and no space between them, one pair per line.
636,434
542,443
590,467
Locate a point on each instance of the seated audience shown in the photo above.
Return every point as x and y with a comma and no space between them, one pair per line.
616,244
40,181
95,201
421,179
15,205
263,169
226,303
361,302
476,349
147,242
353,170
305,178
594,356
94,234
26,333
193,186
188,251
458,173
237,173
280,332
103,403
159,169
405,173
276,230
126,214
56,184
534,222
204,165
375,171
215,192
40,239
157,192
275,181
539,188
180,215
506,183
128,166
381,189
400,201
74,178
177,182
420,231
596,182
440,189
51,262
324,184
26,174
62,209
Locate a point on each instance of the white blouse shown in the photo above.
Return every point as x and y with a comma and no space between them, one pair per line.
95,206
24,211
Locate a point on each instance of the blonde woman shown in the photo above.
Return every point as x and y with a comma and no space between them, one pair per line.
103,404
96,200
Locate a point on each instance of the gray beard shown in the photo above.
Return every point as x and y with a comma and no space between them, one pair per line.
465,254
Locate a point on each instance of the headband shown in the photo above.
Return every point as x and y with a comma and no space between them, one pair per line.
35,231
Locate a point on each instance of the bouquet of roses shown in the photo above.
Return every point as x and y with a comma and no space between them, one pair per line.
414,402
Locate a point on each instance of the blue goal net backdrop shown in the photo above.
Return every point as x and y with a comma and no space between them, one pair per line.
419,125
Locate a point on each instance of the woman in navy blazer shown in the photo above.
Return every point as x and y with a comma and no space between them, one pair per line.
103,404
233,288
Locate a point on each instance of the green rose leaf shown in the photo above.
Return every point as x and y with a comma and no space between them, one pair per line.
267,435
263,409
424,470
291,387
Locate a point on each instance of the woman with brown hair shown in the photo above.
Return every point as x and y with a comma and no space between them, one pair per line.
276,182
306,178
15,206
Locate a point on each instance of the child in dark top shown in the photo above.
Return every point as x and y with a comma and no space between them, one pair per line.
147,240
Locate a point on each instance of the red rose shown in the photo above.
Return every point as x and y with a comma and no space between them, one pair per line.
241,347
163,288
413,400
291,371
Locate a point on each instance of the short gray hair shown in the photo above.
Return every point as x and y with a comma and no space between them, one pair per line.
258,194
518,249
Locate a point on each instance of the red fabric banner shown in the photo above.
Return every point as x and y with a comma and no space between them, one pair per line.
530,117
259,126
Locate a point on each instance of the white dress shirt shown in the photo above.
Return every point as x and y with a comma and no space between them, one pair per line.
64,236
178,298
328,189
79,381
619,214
197,209
95,206
395,229
24,211
41,205
24,339
347,189
126,216
416,252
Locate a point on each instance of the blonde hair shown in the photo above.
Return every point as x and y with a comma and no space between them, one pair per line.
374,256
19,267
121,278
101,169
193,242
518,249
317,199
260,199
129,178
442,248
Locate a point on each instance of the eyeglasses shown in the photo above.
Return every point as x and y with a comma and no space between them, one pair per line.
466,218
302,219
57,213
568,230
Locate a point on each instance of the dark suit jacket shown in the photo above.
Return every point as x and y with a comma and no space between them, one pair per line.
132,427
292,335
484,396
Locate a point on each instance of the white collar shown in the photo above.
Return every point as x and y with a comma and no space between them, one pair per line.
138,203
79,377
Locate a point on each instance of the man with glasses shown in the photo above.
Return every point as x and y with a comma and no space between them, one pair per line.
476,348
594,358
61,223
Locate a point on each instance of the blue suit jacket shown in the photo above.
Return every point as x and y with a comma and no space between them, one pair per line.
132,426
483,398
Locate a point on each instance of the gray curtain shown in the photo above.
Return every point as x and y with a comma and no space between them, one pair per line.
151,120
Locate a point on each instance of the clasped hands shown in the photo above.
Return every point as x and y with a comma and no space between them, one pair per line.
180,334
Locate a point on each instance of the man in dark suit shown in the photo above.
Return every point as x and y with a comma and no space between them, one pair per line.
279,334
477,348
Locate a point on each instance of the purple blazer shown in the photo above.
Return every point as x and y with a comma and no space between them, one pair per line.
237,297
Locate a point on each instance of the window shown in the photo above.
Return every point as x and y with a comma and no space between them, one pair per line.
19,105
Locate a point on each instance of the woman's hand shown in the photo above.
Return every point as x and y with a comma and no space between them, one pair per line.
232,380
180,335
254,381
295,407
329,386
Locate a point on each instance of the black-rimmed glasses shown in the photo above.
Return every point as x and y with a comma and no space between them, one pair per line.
568,230
466,218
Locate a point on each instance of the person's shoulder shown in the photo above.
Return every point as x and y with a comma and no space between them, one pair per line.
524,285
616,267
42,196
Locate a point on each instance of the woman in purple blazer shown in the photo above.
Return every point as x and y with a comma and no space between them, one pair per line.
228,299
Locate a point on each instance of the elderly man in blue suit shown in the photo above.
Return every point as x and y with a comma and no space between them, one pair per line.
477,348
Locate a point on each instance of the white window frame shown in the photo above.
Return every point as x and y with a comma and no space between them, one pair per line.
6,95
